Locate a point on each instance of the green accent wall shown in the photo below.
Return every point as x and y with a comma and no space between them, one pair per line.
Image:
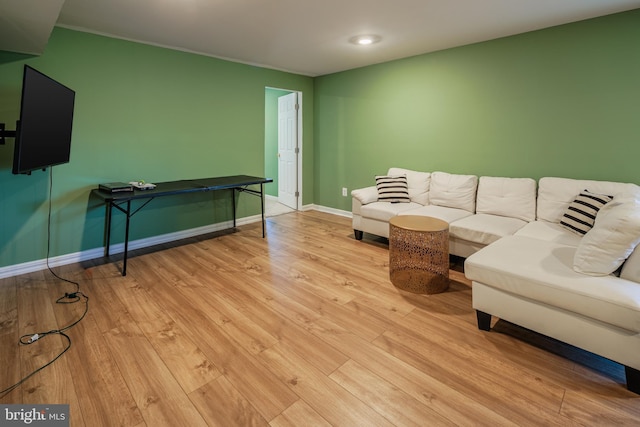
271,136
563,101
141,112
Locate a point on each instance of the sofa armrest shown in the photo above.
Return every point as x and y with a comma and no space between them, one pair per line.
366,195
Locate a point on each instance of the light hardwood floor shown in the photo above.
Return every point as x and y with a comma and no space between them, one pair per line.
300,328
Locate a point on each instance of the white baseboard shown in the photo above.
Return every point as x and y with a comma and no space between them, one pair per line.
313,207
333,211
31,266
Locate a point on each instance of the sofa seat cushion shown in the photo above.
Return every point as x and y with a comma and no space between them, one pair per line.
384,211
543,271
441,212
485,229
549,231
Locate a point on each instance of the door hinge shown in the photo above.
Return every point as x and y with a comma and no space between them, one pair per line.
297,194
297,150
297,106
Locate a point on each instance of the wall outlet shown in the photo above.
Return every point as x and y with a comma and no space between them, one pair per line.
344,191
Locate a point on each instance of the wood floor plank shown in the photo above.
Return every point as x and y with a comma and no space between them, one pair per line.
99,285
534,360
268,396
387,399
270,310
430,343
321,305
157,394
458,374
10,368
299,414
188,364
586,409
325,396
53,384
104,397
222,405
247,333
448,402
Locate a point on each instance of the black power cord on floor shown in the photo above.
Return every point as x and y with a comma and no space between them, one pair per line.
67,298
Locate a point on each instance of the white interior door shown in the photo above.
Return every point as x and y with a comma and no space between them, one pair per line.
288,150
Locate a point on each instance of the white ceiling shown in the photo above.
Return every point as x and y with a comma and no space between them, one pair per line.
300,36
25,25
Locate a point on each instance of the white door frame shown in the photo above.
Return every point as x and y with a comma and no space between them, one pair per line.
300,145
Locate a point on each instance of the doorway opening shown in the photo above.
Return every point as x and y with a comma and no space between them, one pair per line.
283,150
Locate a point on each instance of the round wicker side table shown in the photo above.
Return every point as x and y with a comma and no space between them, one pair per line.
419,254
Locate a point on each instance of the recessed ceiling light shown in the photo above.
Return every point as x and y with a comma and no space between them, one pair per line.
365,40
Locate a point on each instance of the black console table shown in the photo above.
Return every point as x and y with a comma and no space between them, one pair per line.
122,200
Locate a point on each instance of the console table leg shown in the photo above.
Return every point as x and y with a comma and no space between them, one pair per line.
107,228
262,206
126,239
233,206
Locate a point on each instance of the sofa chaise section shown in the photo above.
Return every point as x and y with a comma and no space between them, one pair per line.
536,278
531,282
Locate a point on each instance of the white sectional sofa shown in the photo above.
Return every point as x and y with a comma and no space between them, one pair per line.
525,266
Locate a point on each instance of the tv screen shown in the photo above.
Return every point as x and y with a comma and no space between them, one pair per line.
43,134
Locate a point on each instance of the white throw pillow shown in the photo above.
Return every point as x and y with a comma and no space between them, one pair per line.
615,234
631,267
453,191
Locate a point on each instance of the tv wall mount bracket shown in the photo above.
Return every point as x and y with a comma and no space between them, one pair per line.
6,133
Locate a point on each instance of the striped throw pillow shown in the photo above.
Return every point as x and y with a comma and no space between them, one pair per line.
581,213
392,189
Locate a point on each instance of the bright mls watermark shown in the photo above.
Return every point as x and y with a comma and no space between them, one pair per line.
35,415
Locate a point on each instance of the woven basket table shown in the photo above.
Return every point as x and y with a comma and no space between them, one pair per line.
419,254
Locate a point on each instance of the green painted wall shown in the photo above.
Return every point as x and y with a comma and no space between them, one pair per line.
141,112
271,136
563,101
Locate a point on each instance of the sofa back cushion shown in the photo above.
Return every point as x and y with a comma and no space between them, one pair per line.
556,194
453,191
509,197
418,183
631,267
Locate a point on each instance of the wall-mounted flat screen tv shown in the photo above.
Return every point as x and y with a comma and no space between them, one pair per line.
43,134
